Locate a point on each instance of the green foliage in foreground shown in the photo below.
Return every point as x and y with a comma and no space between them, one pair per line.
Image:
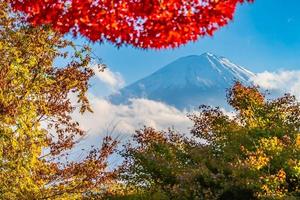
36,127
253,155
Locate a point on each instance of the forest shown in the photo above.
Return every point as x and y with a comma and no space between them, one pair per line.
254,154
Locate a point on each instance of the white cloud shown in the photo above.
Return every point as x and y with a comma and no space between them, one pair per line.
122,121
281,81
125,119
113,80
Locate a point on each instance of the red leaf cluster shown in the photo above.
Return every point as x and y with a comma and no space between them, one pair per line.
141,23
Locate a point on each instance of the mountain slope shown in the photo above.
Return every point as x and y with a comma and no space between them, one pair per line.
188,82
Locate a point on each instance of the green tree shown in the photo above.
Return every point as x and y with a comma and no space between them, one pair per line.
252,155
36,127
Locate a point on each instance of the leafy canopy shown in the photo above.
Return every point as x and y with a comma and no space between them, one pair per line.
141,23
253,155
36,127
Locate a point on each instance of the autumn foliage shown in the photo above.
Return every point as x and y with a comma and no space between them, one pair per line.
141,23
37,132
252,155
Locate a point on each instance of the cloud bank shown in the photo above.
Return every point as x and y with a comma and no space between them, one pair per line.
279,82
112,80
125,119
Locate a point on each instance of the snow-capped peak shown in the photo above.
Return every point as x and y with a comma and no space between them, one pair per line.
227,64
188,81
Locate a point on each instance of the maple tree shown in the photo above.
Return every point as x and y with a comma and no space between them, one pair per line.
141,23
36,127
252,155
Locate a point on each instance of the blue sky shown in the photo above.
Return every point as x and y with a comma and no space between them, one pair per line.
263,36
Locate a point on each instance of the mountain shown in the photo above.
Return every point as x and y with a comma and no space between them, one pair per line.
188,82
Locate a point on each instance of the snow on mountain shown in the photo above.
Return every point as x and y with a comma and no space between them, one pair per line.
188,82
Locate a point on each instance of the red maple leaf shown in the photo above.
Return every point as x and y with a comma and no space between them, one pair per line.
141,23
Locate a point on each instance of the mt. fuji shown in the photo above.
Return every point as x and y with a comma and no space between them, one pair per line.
188,82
